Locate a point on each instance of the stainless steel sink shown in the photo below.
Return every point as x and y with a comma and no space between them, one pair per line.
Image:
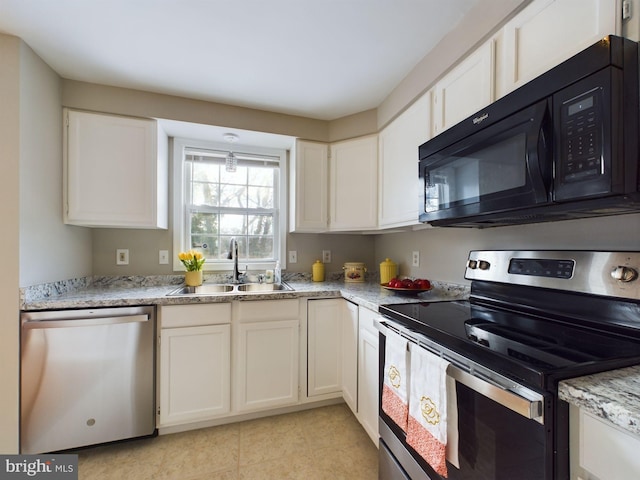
222,288
262,287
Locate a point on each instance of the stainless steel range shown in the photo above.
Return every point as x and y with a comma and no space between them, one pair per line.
533,318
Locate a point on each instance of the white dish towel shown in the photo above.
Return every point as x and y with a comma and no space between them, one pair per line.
429,405
395,386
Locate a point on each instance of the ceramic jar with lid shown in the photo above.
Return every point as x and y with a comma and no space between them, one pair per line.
388,270
317,271
354,272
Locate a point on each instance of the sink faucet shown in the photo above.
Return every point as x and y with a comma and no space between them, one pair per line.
233,255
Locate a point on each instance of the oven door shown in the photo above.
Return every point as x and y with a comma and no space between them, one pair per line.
502,434
503,167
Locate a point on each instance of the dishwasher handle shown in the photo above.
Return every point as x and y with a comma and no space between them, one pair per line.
84,322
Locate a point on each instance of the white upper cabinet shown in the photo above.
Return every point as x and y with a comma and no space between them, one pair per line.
353,185
116,171
547,32
309,187
467,88
398,164
334,186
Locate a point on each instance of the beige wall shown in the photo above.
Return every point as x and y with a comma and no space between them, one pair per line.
126,101
9,241
49,249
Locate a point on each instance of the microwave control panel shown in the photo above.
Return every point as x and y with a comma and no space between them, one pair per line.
581,120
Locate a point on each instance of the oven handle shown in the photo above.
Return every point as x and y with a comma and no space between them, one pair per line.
531,409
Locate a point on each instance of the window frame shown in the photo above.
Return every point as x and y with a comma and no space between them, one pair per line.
179,203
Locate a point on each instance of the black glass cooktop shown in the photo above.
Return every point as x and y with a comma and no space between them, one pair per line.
527,347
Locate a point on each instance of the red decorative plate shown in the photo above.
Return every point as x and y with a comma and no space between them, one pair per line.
407,291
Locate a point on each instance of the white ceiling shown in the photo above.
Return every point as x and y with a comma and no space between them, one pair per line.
321,59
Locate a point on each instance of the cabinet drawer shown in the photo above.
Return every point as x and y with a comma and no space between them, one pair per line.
267,310
367,318
171,316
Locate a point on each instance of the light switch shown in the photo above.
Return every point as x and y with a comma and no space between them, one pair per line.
293,256
163,257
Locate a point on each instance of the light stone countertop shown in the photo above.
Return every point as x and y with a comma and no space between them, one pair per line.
613,396
129,291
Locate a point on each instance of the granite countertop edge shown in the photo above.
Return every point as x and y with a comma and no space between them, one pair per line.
613,396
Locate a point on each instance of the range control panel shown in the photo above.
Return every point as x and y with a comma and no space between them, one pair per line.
541,267
615,274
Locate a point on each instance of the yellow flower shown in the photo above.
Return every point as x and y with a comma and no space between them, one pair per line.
192,260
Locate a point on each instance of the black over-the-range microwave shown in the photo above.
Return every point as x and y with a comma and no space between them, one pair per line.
563,146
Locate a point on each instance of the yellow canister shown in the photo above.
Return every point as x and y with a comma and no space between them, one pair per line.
354,272
388,270
317,270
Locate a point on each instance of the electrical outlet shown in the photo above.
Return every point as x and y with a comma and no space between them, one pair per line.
122,256
293,256
163,257
326,256
415,259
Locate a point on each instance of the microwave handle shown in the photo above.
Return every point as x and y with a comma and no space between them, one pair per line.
538,151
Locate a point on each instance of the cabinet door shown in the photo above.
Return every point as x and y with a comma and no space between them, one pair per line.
266,364
309,203
548,32
368,366
324,354
464,90
353,187
349,336
195,366
398,164
600,449
116,171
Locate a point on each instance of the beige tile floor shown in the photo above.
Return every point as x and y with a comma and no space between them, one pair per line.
318,444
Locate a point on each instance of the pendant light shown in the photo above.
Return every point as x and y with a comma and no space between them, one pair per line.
231,162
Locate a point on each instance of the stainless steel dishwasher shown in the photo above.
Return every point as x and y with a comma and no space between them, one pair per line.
87,377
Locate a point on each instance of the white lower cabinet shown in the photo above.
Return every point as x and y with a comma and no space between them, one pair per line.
324,352
195,363
226,359
349,332
601,450
266,344
368,372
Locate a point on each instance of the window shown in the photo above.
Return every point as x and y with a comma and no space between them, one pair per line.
213,205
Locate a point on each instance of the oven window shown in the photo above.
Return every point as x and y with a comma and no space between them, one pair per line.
470,174
496,443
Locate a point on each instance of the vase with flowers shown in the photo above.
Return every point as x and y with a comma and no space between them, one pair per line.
193,262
